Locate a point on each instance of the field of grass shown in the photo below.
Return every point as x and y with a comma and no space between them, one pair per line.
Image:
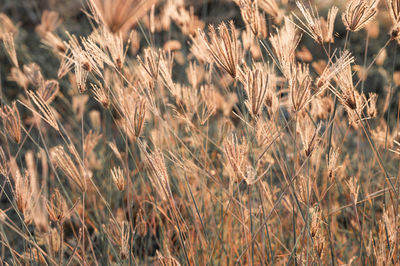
212,132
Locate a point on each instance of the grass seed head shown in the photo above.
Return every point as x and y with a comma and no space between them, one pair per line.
359,13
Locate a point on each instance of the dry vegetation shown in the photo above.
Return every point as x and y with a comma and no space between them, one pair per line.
161,134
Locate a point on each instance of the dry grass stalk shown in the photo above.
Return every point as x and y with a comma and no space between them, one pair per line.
224,47
134,110
18,76
141,225
210,106
66,66
69,167
309,136
49,90
120,15
101,95
332,69
114,44
6,26
45,109
8,40
347,95
151,62
284,43
166,261
394,9
117,175
49,23
158,174
57,207
236,155
85,61
186,20
271,7
23,192
300,87
3,163
118,233
372,110
319,29
359,13
256,85
53,41
33,73
253,18
333,164
11,121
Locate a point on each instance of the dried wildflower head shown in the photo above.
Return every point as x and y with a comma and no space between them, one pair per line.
6,26
113,43
253,18
372,111
151,62
33,254
53,41
224,47
141,225
332,164
319,29
256,84
49,90
158,173
284,44
90,59
65,66
3,163
309,135
8,40
101,95
45,110
299,87
118,233
57,207
332,69
134,111
118,177
23,192
119,15
73,170
327,25
354,188
359,13
195,74
185,19
49,23
34,75
236,155
11,121
166,261
18,76
394,9
199,49
208,97
271,8
344,80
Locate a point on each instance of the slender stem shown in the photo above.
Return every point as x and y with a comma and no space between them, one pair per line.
251,225
61,228
83,227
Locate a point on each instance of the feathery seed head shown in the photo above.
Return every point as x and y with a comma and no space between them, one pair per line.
224,47
11,121
118,177
359,13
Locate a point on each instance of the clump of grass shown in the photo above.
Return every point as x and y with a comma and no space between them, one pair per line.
160,138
